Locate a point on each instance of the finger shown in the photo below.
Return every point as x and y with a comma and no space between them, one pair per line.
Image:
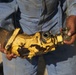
2,49
71,41
70,22
14,56
5,52
71,31
10,56
61,29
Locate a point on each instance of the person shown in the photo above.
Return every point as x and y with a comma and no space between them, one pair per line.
41,15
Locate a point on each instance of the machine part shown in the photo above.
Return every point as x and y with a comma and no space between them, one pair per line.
11,39
28,46
64,34
3,34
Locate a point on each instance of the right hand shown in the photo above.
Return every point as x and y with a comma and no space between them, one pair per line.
8,56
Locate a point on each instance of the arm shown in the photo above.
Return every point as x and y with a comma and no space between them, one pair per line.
6,9
71,19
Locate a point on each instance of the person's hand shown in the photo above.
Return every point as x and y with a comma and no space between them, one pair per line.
2,49
71,24
8,56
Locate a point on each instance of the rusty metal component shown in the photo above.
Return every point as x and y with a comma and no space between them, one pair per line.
28,46
3,35
64,34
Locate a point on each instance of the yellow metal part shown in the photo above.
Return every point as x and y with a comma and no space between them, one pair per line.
12,38
27,46
31,42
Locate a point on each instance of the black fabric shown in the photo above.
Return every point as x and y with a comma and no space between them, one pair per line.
62,2
63,11
16,18
2,1
1,68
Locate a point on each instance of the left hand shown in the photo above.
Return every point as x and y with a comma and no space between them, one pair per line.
71,24
8,56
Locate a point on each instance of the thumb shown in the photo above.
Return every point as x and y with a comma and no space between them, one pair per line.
71,33
71,30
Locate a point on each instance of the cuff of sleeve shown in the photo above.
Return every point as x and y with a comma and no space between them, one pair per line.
71,10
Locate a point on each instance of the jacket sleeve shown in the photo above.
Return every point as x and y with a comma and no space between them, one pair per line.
71,7
6,9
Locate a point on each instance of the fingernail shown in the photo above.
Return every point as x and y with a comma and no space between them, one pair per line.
69,34
5,52
15,56
64,41
0,45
